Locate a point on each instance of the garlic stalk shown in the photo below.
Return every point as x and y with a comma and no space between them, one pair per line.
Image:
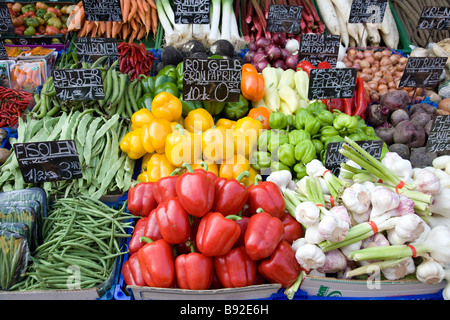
351,247
429,271
335,185
374,267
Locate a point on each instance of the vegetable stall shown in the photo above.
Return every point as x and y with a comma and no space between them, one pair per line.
252,149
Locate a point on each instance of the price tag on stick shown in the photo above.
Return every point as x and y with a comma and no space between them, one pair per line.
439,137
191,11
6,25
367,11
434,18
316,48
422,72
102,10
91,49
3,53
284,18
332,83
78,84
48,161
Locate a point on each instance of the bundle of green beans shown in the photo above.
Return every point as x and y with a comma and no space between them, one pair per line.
83,237
106,169
13,258
121,94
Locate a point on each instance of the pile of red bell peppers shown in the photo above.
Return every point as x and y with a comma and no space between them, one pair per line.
197,231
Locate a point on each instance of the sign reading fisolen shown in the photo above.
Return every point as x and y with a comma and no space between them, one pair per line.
6,25
191,11
331,83
422,72
48,161
334,158
434,18
439,137
102,10
284,18
3,53
212,79
367,11
316,48
91,49
78,84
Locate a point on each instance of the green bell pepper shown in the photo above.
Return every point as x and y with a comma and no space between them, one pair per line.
300,170
286,154
213,107
318,145
148,84
358,135
162,79
305,151
167,87
278,120
369,131
169,71
325,118
316,107
145,102
312,125
263,140
345,124
295,136
326,132
179,69
290,120
260,159
236,110
300,118
276,140
278,166
188,106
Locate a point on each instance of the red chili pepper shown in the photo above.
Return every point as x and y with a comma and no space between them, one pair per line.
293,230
282,266
195,191
348,105
165,187
263,234
267,196
157,263
216,234
235,268
131,271
141,200
336,104
230,195
173,221
362,98
194,271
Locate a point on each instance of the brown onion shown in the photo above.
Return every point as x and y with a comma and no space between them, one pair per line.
378,55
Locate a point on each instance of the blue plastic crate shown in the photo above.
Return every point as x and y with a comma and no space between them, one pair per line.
302,295
10,133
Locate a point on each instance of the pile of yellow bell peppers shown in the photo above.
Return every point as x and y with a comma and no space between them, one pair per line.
164,141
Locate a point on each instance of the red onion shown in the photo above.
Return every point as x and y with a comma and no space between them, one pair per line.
252,46
285,53
258,56
248,57
279,38
292,61
273,52
260,65
279,64
261,42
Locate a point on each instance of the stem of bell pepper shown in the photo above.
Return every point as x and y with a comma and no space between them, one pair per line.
145,239
242,175
257,179
188,167
233,217
290,292
175,172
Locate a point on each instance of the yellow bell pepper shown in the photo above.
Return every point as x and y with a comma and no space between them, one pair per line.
183,146
198,120
218,144
231,168
227,123
248,181
157,167
145,159
132,145
246,133
154,135
212,167
166,106
140,118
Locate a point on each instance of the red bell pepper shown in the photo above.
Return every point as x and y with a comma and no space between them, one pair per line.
230,195
157,263
145,227
210,174
141,200
194,271
195,190
235,268
267,196
293,230
282,266
324,65
306,66
216,234
131,271
242,222
173,221
263,234
165,187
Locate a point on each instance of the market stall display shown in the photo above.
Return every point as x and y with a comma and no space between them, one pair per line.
205,150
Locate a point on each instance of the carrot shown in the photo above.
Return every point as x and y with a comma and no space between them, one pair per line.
154,20
141,14
102,27
142,32
146,6
140,5
83,30
115,29
152,3
89,26
95,29
148,21
134,8
108,29
126,9
125,30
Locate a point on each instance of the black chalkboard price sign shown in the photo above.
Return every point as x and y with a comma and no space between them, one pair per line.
48,161
3,54
6,25
78,84
331,83
367,11
91,49
422,72
316,48
284,18
191,11
212,79
334,158
439,137
434,18
102,10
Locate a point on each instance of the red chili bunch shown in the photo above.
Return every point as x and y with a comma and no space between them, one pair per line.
198,231
135,59
12,104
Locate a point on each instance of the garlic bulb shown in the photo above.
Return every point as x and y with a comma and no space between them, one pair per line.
332,228
356,198
310,256
334,261
358,218
298,243
437,243
349,248
369,185
446,292
407,228
312,234
402,168
383,200
315,168
405,206
281,178
429,271
400,270
307,213
426,181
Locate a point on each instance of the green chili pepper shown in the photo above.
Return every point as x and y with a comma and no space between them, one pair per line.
236,110
278,120
286,154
